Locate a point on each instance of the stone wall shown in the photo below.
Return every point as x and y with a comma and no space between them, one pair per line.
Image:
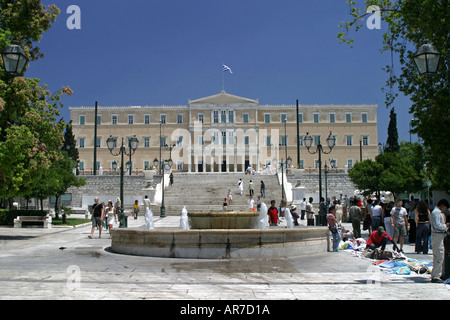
107,187
337,183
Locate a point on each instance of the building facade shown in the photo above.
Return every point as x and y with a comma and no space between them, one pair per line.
226,133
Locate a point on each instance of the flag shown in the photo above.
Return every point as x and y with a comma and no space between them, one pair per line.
227,68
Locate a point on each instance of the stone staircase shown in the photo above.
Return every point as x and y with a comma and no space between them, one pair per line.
206,191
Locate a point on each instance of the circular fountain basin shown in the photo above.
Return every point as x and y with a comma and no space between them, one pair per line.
223,220
221,243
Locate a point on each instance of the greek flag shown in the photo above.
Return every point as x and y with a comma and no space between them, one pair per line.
226,68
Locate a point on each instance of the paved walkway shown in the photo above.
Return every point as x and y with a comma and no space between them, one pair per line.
62,263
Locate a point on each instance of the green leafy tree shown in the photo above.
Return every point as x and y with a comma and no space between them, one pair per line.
365,175
409,25
31,136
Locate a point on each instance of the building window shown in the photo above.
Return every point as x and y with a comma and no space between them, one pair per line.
201,117
332,117
81,165
266,117
224,138
245,118
316,140
302,164
223,117
81,142
114,119
231,116
179,118
349,163
179,142
364,117
98,143
147,165
162,118
348,117
283,117
82,120
146,142
284,140
180,165
146,119
99,119
316,118
130,119
300,141
216,117
268,141
246,140
365,140
162,141
349,140
300,118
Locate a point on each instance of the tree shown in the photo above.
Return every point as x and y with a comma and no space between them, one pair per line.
365,175
409,25
30,137
392,139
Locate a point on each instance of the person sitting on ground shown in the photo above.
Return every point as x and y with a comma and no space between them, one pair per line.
377,239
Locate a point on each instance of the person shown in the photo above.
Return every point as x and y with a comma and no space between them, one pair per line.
355,214
171,179
263,189
251,188
322,212
147,204
438,233
230,197
136,209
273,214
378,238
282,206
258,203
224,204
295,215
376,214
412,220
339,210
110,216
422,219
310,212
386,217
332,226
240,186
303,208
97,218
399,222
251,204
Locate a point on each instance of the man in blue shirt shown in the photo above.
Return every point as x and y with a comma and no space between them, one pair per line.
438,233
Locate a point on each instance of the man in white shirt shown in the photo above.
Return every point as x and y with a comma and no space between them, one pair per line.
399,222
303,208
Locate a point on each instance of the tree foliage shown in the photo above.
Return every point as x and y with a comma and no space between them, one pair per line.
30,135
411,23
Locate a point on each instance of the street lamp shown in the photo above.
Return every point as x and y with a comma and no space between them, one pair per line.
132,145
331,142
14,62
162,210
427,59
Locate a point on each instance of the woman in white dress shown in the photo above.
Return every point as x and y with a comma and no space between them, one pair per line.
339,210
110,216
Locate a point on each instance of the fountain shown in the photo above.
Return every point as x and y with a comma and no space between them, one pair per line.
238,235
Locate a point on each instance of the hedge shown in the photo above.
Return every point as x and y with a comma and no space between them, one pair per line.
7,216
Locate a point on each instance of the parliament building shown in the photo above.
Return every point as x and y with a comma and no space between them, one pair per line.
225,133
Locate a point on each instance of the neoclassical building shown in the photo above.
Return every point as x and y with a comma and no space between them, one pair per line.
225,133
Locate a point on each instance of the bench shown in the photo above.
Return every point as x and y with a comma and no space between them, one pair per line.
84,211
45,220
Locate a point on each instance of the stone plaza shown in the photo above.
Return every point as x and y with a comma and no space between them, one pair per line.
63,263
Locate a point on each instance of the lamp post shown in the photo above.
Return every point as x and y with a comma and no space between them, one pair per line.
14,62
426,60
331,142
132,145
162,210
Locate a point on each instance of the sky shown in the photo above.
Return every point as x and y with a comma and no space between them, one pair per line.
165,52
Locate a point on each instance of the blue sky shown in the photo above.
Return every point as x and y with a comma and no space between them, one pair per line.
164,52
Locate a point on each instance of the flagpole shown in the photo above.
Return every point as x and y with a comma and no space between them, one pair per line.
223,78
